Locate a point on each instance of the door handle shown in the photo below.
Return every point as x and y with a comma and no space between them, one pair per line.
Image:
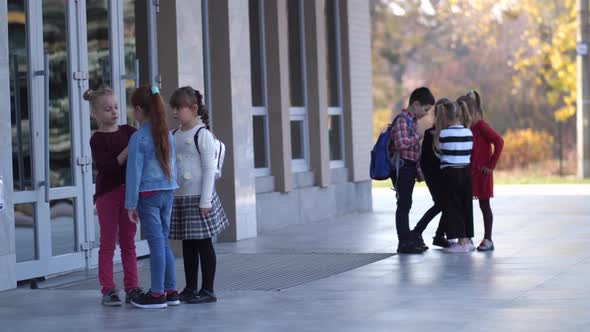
47,181
45,74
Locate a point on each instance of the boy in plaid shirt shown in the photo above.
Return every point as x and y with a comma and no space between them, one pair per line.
405,139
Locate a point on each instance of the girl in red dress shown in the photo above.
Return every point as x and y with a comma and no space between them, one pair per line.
483,163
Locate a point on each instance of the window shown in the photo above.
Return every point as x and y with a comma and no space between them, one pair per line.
258,84
335,137
332,54
299,142
297,84
296,54
334,84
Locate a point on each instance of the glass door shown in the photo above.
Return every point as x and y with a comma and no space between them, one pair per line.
49,197
116,57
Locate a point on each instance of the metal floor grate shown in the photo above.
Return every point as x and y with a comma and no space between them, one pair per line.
257,272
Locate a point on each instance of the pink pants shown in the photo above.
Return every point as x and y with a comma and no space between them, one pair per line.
112,215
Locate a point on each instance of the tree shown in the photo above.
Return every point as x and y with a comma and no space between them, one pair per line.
548,53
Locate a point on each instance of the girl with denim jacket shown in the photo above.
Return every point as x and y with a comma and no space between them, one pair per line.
151,181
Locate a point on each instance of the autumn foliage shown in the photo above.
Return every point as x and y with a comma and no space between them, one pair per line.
525,147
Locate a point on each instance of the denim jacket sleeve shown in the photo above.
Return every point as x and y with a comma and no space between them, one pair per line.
173,159
134,172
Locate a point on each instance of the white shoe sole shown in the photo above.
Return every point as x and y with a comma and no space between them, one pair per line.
150,306
116,304
174,303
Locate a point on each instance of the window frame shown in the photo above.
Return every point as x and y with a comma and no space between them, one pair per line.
300,113
337,110
262,110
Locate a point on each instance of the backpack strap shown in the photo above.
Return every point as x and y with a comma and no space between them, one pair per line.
174,131
409,121
197,138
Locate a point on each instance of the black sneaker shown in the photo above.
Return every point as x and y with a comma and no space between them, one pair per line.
148,301
420,241
132,294
173,298
187,294
203,296
409,247
441,241
111,299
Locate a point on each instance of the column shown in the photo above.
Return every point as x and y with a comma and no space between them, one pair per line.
277,78
316,89
180,45
357,86
231,99
583,111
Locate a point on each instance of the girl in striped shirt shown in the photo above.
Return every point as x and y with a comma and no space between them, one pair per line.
453,142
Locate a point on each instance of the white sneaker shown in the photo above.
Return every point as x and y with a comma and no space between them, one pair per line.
486,245
457,248
470,245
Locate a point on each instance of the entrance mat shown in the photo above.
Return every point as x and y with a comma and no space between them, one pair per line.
255,272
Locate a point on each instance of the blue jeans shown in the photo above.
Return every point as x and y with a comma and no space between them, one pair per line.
154,213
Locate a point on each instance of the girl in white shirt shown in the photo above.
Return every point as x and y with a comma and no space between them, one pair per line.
197,215
454,142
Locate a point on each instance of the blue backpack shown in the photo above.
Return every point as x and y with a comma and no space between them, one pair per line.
383,164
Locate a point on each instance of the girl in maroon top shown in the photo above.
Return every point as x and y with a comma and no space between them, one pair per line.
109,152
483,163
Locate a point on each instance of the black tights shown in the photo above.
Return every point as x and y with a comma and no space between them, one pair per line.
191,251
488,218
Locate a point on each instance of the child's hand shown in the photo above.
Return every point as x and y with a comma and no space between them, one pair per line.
486,170
133,216
419,176
122,157
204,211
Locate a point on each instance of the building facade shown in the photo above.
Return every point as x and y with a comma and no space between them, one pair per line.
287,82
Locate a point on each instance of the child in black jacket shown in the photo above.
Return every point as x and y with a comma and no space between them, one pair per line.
430,165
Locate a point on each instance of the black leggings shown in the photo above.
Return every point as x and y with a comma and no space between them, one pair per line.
427,218
191,251
488,218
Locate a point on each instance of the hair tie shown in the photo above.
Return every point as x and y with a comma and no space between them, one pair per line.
155,90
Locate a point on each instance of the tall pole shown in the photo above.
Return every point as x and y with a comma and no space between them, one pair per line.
583,111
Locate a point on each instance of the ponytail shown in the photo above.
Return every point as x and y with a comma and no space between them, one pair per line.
465,114
439,121
476,101
150,100
203,111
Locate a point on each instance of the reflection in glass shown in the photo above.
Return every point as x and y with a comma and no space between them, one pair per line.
335,136
297,144
19,105
332,58
256,59
63,226
260,141
296,68
60,140
99,63
129,18
25,232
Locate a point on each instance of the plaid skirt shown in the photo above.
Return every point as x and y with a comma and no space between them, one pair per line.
188,224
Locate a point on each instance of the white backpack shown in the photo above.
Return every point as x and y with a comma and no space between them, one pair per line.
219,151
